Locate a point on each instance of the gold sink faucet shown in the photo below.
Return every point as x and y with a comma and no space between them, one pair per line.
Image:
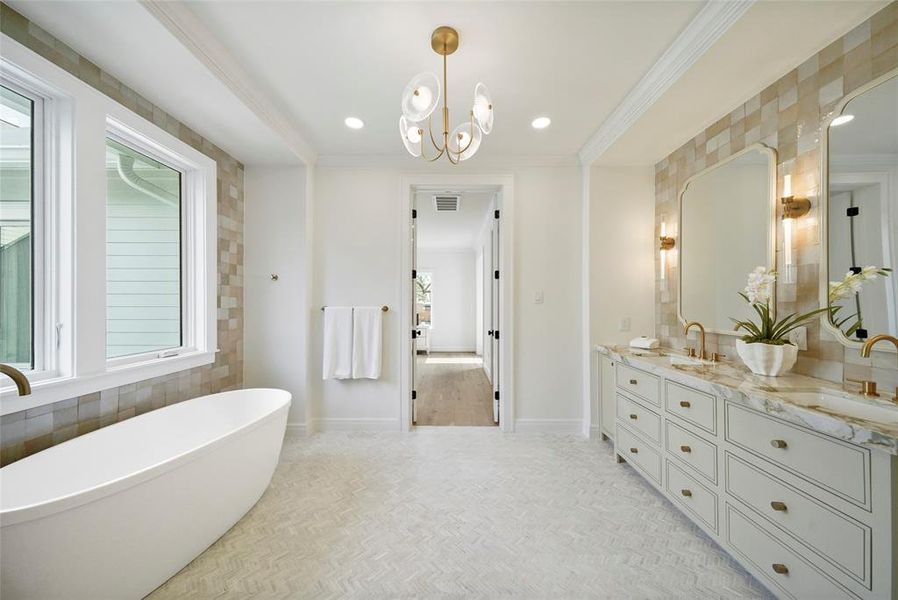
701,331
868,346
18,377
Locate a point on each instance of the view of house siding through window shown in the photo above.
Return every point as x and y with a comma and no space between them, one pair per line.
16,190
143,241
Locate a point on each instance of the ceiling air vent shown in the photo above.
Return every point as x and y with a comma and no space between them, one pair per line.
446,202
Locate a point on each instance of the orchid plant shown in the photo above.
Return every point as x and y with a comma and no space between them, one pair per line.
768,330
850,287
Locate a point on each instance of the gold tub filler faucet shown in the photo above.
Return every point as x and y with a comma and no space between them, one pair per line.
18,377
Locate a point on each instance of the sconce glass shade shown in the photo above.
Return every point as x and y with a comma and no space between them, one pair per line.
483,108
459,138
420,97
411,136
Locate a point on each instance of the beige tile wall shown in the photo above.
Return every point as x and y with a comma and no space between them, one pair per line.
29,431
787,116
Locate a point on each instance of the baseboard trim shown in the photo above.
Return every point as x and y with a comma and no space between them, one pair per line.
548,426
371,424
296,429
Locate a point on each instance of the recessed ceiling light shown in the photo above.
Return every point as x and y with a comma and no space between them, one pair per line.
841,120
541,122
354,122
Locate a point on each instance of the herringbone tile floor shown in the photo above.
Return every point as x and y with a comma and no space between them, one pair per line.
459,513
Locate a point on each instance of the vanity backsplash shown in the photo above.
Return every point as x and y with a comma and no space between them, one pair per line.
788,116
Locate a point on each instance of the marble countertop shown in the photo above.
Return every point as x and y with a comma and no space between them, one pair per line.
785,397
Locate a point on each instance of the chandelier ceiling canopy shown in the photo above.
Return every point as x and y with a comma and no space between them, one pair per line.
421,98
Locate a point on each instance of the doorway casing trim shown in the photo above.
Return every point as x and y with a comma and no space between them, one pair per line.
505,183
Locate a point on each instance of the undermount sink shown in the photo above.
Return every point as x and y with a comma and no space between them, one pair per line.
679,359
876,410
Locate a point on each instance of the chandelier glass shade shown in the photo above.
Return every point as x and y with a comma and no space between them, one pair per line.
420,101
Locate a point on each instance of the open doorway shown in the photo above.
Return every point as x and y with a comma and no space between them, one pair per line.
455,256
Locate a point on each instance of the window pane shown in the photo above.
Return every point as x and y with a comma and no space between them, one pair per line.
16,191
143,250
424,298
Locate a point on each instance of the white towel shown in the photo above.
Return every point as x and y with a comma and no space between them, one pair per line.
367,340
337,342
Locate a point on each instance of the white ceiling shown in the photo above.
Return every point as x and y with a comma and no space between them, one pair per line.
319,62
126,41
771,39
451,230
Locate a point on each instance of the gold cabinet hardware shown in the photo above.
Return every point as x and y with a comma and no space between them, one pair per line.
687,493
633,382
781,444
778,506
634,450
780,568
685,449
634,417
685,404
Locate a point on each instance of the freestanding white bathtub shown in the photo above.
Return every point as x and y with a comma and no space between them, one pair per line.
115,513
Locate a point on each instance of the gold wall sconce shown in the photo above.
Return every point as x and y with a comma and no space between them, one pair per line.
793,208
666,244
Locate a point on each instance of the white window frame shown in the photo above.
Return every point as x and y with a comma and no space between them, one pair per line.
40,319
77,120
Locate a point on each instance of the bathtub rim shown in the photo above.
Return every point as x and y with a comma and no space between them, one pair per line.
57,504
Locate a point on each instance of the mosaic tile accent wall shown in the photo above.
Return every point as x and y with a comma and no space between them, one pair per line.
33,430
787,116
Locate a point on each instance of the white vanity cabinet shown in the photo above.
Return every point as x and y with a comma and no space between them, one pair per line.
809,515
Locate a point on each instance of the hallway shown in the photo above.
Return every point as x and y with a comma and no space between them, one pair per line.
453,390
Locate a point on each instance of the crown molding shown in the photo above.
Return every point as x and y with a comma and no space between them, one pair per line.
478,163
187,28
711,22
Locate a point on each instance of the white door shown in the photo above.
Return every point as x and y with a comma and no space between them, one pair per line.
495,322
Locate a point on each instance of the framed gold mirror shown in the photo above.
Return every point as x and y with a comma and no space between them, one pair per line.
859,213
727,228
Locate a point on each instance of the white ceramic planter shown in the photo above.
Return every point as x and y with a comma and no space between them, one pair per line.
767,359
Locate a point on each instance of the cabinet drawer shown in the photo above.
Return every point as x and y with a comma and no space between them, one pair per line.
693,496
639,418
693,406
834,536
645,385
840,467
786,569
692,450
638,453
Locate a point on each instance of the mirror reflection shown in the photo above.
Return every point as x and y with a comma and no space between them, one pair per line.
862,237
726,230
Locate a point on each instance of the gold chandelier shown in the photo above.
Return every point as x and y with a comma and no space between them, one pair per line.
421,98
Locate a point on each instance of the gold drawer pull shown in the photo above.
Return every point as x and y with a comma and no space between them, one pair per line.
685,449
634,450
779,444
687,493
780,568
633,382
685,404
778,506
634,417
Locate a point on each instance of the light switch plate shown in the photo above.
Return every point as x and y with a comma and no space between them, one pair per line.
799,337
538,297
624,324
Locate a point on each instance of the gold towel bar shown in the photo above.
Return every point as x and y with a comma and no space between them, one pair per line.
384,308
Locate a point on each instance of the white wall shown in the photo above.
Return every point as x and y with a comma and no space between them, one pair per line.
275,328
454,317
622,255
357,250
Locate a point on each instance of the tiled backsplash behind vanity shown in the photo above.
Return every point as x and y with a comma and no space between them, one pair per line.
29,431
787,116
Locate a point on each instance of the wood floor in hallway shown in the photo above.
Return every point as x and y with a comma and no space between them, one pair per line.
453,390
